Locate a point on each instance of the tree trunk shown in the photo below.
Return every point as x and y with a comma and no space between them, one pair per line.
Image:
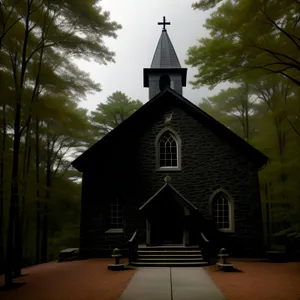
13,235
37,166
19,241
17,268
45,216
13,224
2,187
37,161
45,235
26,238
268,228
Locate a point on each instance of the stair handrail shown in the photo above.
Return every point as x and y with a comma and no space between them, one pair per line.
133,247
204,237
205,247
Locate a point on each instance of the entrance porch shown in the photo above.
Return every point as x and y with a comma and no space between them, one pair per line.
168,218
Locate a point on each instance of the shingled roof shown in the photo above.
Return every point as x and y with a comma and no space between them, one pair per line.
142,117
165,56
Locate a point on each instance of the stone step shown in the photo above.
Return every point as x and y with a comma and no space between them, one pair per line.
199,255
168,259
169,264
169,256
168,252
168,247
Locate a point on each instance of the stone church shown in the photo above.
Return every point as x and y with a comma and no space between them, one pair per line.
172,173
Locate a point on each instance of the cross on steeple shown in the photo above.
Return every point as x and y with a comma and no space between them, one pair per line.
164,23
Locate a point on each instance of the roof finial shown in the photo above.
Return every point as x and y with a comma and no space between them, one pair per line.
164,23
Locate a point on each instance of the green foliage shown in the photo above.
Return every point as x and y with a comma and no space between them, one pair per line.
42,127
256,45
247,35
205,4
110,114
234,107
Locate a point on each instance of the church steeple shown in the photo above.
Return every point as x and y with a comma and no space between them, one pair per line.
165,55
165,70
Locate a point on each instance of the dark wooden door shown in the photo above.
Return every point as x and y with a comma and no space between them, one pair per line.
167,226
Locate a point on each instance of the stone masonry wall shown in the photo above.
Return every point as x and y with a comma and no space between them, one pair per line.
208,163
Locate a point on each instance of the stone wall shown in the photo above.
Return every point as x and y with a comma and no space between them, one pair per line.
208,163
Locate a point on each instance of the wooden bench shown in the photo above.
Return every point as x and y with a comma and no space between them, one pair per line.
276,256
225,267
68,254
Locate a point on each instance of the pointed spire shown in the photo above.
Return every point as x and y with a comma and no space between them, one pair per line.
165,55
165,68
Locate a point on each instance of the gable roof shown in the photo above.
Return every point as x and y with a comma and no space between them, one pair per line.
164,187
165,55
143,115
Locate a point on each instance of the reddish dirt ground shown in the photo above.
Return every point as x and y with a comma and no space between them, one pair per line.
90,280
77,280
258,280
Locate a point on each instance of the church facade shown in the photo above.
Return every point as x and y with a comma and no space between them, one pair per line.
172,172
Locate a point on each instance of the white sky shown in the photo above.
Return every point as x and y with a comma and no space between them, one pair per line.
136,43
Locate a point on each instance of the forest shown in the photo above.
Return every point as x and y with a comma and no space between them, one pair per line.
253,45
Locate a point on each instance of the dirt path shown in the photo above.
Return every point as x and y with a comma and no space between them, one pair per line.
78,280
259,281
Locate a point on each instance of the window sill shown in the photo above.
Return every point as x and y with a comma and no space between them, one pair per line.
228,230
168,169
114,231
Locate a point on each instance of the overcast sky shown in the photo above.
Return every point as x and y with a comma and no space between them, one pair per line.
136,43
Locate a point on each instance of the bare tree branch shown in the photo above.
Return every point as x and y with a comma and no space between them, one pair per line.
281,29
297,82
292,125
59,163
4,23
276,54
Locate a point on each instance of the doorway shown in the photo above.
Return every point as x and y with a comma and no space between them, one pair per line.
167,222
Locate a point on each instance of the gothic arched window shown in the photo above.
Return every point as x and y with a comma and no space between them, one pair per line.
167,151
222,211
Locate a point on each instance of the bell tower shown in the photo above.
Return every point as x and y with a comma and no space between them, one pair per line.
165,70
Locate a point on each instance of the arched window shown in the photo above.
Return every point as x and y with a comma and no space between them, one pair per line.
222,210
168,151
164,82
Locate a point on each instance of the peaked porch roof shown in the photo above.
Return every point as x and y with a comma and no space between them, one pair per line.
166,186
